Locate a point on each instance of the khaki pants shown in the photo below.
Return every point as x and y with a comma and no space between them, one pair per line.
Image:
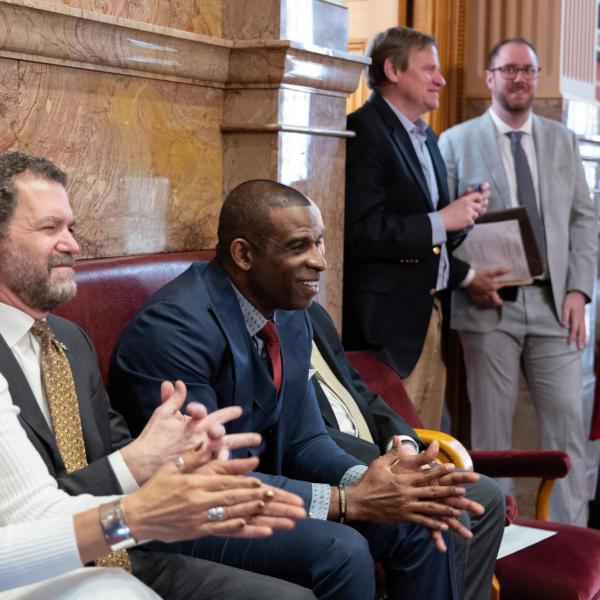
426,385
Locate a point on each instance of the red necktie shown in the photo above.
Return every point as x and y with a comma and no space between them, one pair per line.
268,334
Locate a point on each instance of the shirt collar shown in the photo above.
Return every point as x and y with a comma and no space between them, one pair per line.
419,127
253,319
504,128
14,324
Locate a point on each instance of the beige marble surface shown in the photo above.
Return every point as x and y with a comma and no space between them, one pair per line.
143,156
319,22
87,39
9,111
198,16
293,63
285,105
155,114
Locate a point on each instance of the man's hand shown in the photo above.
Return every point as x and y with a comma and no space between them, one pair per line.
483,290
460,503
277,512
169,433
174,503
395,488
573,317
462,213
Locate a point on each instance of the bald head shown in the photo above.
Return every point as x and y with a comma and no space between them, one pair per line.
246,213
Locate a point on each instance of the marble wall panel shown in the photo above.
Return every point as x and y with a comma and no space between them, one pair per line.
9,109
143,156
254,63
313,22
305,108
286,105
249,155
320,22
198,16
256,20
86,40
253,106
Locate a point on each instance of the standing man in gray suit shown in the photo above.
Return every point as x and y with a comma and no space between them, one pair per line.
534,162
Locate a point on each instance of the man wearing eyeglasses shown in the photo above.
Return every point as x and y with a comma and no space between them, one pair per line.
539,328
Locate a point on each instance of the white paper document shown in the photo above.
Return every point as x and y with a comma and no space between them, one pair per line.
518,537
493,245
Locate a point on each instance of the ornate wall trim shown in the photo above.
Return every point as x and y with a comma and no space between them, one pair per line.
97,42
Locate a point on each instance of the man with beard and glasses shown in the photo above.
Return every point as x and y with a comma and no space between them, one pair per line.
540,328
53,377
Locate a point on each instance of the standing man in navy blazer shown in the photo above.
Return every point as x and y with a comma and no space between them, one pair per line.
206,328
400,224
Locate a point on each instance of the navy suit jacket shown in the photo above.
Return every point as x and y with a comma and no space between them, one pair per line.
391,264
193,329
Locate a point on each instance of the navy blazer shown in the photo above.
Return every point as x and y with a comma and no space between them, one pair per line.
391,266
193,329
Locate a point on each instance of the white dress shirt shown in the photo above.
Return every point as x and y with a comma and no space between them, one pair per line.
15,328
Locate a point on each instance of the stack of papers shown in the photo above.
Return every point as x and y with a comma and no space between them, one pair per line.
518,537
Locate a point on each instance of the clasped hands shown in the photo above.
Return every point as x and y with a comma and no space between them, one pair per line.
182,462
402,487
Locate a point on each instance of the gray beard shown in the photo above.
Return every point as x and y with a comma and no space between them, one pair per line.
32,283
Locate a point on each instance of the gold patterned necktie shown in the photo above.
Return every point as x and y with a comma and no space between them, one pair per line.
64,413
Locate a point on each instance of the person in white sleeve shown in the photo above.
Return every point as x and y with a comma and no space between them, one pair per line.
178,502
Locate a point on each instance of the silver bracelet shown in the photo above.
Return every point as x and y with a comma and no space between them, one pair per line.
115,529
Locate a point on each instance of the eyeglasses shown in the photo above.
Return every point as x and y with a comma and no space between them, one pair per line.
511,71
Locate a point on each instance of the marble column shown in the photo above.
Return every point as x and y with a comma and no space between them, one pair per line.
156,109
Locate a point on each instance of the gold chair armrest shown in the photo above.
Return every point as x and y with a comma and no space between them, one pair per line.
451,450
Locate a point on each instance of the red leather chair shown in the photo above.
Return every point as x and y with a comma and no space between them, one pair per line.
110,290
565,566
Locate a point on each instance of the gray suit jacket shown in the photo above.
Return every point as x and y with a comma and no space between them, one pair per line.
472,155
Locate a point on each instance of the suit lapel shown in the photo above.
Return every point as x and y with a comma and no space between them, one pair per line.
543,157
401,140
439,169
487,141
23,397
320,338
324,405
249,368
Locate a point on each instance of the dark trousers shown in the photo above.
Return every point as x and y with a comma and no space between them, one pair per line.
337,561
176,577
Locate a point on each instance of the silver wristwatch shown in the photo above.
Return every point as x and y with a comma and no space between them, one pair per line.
115,529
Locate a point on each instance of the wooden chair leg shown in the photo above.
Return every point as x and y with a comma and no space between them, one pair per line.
495,589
